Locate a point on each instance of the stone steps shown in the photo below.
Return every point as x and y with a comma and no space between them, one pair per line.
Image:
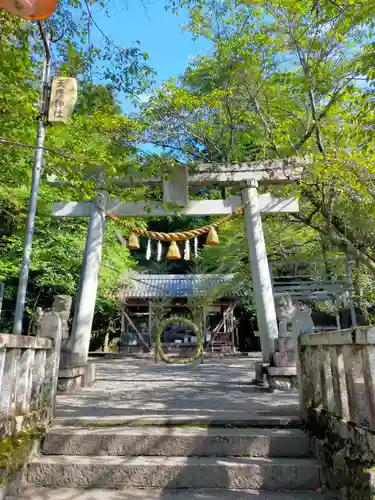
173,457
157,494
174,472
177,441
218,419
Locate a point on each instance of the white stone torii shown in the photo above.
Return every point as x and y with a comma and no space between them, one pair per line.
246,175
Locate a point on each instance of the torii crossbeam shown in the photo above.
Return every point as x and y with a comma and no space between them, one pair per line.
247,176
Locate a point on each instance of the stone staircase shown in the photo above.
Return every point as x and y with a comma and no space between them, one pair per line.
264,460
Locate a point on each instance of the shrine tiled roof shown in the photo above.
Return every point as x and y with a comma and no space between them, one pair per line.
175,285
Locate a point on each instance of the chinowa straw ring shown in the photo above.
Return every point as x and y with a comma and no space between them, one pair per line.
189,325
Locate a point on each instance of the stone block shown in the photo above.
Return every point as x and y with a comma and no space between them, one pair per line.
282,383
30,493
224,419
284,344
283,359
121,472
8,341
68,359
284,334
68,385
131,349
73,378
282,378
67,344
177,442
260,373
89,375
287,371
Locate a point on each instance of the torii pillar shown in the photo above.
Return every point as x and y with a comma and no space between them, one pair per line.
260,273
88,282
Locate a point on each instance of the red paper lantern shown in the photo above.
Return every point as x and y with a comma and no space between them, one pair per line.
33,10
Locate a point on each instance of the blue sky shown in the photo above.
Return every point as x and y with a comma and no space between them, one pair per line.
159,32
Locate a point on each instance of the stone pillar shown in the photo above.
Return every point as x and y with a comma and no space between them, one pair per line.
262,286
87,290
50,327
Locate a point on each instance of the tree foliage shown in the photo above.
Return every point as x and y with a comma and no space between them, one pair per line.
285,78
97,143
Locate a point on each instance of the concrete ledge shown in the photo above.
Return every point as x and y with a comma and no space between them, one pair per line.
177,441
284,344
89,375
284,359
226,419
174,472
24,342
74,378
282,378
261,373
151,355
76,371
282,371
30,493
357,336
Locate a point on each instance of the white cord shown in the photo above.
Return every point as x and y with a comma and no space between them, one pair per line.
148,251
187,250
159,251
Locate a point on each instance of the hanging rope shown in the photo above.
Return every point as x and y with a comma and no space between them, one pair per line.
180,236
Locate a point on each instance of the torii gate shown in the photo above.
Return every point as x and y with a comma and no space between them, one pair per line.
245,175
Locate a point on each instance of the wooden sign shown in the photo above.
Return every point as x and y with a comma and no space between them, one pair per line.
175,186
33,10
63,98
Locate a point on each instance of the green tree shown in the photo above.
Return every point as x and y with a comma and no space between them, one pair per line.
285,79
97,142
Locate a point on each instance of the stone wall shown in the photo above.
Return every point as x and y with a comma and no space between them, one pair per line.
28,383
336,373
347,454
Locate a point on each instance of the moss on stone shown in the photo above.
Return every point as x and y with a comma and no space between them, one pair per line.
15,450
347,463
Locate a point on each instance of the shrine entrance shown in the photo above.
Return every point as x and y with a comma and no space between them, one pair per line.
248,177
138,300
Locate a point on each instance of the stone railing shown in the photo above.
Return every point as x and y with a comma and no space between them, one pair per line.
28,382
336,372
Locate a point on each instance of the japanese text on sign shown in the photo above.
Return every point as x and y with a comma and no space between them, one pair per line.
63,99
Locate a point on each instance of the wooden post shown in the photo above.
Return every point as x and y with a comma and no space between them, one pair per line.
337,313
232,328
150,321
353,314
2,286
106,342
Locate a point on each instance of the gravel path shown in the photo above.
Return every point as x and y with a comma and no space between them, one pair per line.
137,386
